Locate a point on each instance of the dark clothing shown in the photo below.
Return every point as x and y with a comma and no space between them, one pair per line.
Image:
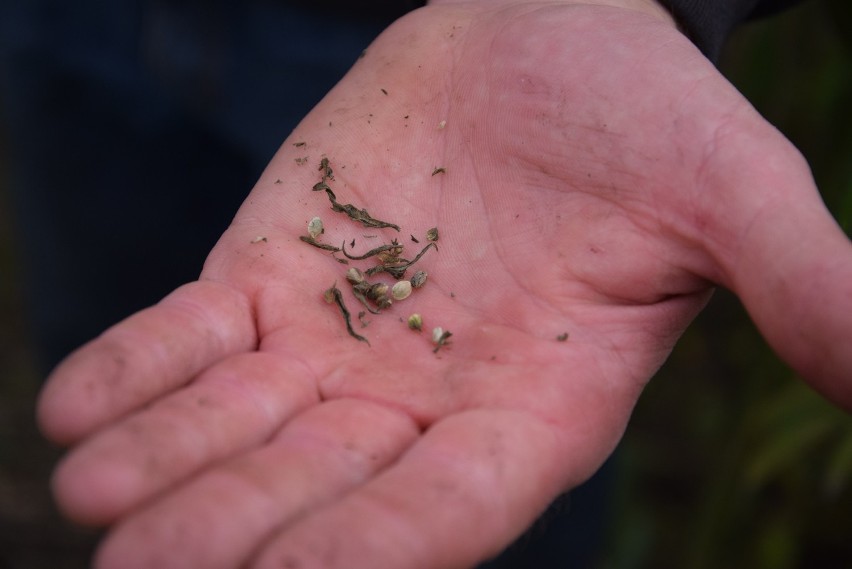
136,128
709,22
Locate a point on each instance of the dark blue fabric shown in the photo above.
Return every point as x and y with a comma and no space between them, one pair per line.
135,129
708,23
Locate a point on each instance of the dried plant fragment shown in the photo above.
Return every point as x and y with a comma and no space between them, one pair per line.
439,338
311,241
377,291
432,234
327,172
355,214
333,295
357,293
439,170
360,291
397,269
381,249
562,337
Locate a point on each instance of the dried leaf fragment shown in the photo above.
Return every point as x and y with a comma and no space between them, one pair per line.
398,267
327,172
439,338
353,212
311,241
376,251
333,295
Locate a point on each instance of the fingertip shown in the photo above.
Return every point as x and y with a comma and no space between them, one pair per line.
65,406
57,417
92,493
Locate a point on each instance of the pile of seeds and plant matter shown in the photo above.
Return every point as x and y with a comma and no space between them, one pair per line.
373,296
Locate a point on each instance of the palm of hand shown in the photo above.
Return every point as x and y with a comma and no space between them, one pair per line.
564,208
545,228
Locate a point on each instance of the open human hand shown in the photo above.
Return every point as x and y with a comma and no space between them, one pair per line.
600,177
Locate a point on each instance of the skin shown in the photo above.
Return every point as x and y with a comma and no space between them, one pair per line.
601,178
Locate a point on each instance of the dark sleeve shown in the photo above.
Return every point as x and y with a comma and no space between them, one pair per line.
709,22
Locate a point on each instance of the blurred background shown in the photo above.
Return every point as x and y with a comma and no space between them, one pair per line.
730,461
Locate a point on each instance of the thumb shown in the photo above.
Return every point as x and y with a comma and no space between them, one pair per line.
786,257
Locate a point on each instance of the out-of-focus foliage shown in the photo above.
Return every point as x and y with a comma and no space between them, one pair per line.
731,461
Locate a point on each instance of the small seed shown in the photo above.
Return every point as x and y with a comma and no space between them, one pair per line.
401,290
328,295
432,234
415,322
315,227
354,276
378,291
419,279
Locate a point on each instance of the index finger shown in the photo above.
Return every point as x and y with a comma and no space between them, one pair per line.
150,353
